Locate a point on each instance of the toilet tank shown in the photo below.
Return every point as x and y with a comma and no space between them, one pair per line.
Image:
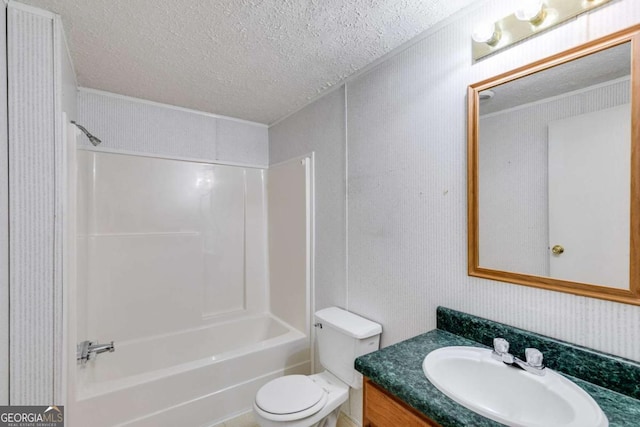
342,337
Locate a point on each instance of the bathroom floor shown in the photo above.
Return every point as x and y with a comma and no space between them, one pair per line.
247,420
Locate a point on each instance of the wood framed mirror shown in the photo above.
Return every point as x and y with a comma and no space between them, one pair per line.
554,172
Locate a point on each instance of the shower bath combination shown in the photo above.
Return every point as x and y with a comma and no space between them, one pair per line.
95,141
199,249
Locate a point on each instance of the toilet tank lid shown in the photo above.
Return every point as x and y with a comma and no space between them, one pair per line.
348,323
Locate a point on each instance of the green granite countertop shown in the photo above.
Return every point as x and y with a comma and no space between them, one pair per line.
398,369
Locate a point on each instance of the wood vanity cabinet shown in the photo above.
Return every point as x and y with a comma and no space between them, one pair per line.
381,409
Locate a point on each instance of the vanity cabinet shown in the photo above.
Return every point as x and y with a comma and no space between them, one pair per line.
381,409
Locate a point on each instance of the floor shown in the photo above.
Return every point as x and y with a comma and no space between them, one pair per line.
247,420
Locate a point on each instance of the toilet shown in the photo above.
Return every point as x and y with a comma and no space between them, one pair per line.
315,400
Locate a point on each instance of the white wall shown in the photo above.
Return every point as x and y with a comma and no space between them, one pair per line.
320,128
127,124
289,242
31,205
66,98
68,84
513,191
4,219
39,75
406,171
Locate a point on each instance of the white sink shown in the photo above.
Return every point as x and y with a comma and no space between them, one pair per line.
511,396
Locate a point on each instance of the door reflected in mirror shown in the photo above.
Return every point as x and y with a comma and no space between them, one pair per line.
553,193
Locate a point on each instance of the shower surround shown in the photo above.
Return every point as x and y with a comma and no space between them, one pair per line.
173,266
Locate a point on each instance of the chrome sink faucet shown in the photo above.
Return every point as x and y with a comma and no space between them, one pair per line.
533,356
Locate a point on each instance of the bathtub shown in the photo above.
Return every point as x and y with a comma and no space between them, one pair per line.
194,378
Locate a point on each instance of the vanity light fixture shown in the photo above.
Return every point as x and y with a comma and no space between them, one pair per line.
531,17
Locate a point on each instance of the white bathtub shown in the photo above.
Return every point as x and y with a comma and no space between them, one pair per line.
194,378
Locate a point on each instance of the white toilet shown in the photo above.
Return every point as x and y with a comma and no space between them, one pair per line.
314,400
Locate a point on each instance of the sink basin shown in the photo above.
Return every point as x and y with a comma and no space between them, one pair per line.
511,396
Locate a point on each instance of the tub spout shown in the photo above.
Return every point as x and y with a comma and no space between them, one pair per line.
101,348
88,350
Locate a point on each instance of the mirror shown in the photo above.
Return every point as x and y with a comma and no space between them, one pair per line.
554,172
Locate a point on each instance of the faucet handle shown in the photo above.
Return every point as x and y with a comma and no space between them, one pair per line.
534,357
500,346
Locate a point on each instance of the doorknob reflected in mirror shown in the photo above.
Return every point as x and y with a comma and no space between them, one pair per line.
557,250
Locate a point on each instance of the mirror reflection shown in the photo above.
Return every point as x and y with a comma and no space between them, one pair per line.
553,158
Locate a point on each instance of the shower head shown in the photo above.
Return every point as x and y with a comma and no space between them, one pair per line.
95,141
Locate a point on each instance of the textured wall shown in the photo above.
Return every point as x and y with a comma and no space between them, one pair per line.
407,190
242,142
4,220
65,88
132,125
407,193
41,86
31,206
514,193
320,127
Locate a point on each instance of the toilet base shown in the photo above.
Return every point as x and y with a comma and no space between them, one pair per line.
331,420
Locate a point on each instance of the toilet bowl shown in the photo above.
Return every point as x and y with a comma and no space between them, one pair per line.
315,400
300,401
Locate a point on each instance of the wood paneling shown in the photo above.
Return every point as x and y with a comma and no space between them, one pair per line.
381,409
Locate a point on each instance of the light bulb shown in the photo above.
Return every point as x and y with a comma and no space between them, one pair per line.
532,11
486,32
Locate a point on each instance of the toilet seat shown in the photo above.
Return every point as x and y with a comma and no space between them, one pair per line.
288,398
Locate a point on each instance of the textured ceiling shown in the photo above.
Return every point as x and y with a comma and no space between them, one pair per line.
253,59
